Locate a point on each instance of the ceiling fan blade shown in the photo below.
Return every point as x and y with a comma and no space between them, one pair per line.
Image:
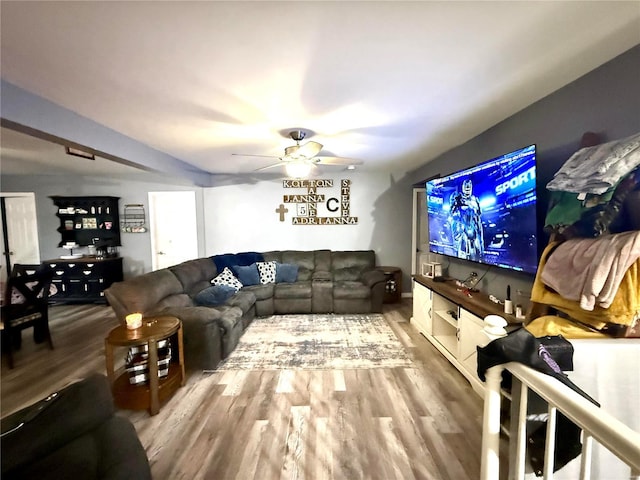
291,151
310,149
337,161
269,166
252,155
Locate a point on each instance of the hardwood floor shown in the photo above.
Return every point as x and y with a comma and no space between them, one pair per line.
422,422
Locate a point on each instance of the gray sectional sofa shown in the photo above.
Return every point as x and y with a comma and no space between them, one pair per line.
325,282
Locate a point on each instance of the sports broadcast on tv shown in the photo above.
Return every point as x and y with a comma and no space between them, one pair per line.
487,213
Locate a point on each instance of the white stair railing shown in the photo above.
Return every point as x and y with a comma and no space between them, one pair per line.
595,423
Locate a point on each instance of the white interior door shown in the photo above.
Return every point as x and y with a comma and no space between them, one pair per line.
173,227
22,228
21,232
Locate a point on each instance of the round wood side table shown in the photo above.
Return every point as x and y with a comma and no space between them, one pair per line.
393,285
148,395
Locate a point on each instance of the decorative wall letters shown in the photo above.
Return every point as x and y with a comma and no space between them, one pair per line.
313,208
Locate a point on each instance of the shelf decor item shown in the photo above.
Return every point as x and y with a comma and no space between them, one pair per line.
134,219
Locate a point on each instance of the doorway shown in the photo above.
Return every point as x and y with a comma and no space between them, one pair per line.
420,240
173,227
19,231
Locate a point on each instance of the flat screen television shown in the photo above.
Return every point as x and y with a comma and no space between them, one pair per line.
487,213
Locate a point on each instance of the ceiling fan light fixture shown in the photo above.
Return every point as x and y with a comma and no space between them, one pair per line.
298,169
351,167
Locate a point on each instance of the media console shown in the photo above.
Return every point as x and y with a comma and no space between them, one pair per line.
452,321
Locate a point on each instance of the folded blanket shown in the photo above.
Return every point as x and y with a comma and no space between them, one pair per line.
624,309
555,325
597,169
590,270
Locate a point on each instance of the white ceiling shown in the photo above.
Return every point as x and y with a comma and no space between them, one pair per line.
391,83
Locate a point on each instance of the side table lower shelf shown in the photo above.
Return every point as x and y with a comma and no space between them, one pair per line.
137,397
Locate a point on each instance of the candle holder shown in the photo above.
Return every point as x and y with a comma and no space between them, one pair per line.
134,320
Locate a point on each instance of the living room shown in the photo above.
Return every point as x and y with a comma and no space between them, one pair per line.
238,213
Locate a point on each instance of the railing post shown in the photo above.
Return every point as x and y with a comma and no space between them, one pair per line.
585,460
550,445
518,429
490,467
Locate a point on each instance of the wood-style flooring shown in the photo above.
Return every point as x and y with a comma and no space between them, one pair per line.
422,422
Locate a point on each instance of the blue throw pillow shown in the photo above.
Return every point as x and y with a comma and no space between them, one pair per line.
286,272
224,260
247,258
214,295
231,259
248,275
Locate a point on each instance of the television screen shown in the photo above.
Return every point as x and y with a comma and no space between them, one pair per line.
487,213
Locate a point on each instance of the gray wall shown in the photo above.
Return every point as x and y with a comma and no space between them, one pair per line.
605,101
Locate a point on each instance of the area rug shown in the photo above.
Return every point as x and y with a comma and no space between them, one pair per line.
317,342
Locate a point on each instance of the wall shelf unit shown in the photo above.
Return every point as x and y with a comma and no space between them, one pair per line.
88,220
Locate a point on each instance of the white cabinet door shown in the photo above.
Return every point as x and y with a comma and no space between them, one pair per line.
470,335
422,308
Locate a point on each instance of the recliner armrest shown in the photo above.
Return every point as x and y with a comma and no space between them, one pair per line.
373,276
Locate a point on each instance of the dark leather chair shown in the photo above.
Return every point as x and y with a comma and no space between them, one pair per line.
26,305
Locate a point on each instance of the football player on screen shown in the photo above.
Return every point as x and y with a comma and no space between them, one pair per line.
466,224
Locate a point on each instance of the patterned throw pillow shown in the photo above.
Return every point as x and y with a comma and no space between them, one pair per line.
227,278
267,272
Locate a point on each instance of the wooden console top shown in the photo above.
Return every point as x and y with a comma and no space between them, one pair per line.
478,304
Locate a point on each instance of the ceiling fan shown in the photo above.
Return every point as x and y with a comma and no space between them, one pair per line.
300,160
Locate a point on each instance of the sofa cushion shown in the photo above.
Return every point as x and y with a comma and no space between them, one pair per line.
243,299
267,272
214,295
178,300
305,261
350,290
248,275
322,260
274,256
347,274
286,272
292,290
227,278
193,272
364,259
262,292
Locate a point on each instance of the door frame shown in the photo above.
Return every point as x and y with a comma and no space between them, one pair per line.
5,235
152,226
